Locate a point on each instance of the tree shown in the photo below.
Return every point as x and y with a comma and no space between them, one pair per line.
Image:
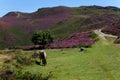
42,37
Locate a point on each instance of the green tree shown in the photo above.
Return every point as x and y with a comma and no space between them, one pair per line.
42,37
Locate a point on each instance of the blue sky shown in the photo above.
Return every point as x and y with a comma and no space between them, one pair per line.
32,5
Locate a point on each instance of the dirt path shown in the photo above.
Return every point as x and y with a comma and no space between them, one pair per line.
103,35
18,14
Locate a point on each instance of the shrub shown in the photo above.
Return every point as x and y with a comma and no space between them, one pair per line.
23,60
42,37
6,75
20,75
94,36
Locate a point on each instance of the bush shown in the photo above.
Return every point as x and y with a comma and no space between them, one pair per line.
20,75
23,60
94,36
42,37
6,75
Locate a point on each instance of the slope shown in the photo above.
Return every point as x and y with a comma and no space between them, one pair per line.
62,21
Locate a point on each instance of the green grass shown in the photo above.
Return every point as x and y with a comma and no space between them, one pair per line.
71,25
101,62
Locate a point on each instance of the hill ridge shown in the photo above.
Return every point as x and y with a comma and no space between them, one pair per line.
61,21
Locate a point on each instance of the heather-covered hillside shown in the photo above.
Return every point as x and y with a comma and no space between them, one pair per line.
16,28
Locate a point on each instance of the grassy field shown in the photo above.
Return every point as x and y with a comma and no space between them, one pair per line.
100,62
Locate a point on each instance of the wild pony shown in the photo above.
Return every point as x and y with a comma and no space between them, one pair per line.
42,55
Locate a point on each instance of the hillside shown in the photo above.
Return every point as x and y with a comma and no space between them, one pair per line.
62,21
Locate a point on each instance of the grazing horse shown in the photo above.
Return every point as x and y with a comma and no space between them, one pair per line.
42,56
81,49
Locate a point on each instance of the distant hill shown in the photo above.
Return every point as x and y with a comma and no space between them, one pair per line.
16,28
